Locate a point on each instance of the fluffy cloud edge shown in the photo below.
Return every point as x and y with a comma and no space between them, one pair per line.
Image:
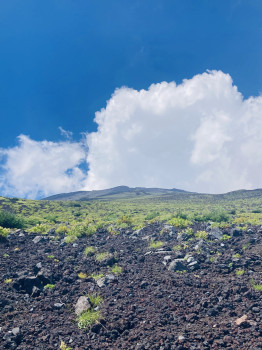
200,135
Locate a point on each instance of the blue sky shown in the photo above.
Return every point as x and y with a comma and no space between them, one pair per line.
62,60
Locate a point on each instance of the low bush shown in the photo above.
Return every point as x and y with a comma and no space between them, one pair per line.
96,276
87,318
217,215
95,299
70,239
10,220
40,228
4,232
151,216
116,269
201,235
179,222
62,229
156,244
89,251
102,256
49,286
63,346
91,229
226,237
240,272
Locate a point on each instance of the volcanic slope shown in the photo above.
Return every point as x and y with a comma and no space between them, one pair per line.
160,287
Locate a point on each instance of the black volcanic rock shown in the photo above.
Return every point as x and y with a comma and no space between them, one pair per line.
147,306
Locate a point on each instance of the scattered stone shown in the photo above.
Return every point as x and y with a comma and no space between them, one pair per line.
16,331
37,239
82,305
101,282
241,320
193,265
177,265
58,305
235,232
181,338
215,233
170,230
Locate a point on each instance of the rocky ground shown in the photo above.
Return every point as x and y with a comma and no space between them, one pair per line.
199,296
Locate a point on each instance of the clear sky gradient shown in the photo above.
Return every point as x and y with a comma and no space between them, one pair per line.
61,60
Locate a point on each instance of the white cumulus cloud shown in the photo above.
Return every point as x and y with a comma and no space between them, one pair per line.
34,169
201,135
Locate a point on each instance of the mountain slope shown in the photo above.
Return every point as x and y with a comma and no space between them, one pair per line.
125,192
113,193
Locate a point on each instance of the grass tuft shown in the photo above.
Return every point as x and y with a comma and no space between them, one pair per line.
87,318
156,244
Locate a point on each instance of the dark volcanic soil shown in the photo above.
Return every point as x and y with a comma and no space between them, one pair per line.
149,305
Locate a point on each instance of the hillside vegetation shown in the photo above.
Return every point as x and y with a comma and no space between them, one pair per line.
169,271
240,208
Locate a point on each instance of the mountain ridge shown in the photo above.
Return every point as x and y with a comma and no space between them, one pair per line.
125,192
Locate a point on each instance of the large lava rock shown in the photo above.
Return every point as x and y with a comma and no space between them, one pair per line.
31,284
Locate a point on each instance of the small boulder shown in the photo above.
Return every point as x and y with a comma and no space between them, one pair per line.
16,331
193,265
101,282
177,265
241,320
170,230
82,305
37,239
215,233
58,305
235,232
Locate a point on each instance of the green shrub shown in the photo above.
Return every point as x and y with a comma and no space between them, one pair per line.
217,215
63,346
102,256
111,229
95,299
156,244
188,231
96,276
91,229
89,251
40,228
240,272
10,220
151,216
50,256
257,287
62,229
179,222
8,280
116,269
49,286
87,318
177,247
181,215
226,237
201,235
77,230
4,232
51,218
70,239
126,219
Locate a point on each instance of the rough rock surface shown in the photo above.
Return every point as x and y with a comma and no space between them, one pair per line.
147,306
